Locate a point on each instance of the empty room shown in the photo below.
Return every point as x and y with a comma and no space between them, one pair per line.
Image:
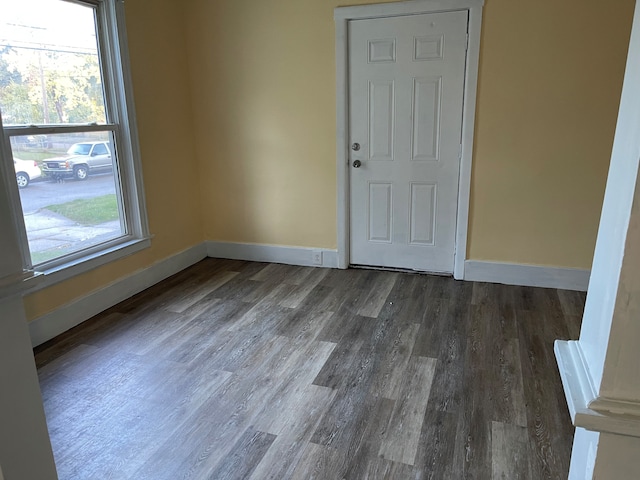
310,239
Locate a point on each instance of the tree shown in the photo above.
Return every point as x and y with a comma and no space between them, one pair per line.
50,87
7,75
16,106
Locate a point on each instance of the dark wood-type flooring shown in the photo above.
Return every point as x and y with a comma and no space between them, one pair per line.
241,370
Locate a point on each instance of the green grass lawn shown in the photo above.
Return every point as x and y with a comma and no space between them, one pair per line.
38,156
46,255
90,211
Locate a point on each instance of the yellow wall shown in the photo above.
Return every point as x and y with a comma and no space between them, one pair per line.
158,62
550,81
263,85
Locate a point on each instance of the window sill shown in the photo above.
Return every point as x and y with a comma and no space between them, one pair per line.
45,278
17,284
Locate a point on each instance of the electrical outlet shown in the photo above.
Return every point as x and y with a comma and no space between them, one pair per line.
316,258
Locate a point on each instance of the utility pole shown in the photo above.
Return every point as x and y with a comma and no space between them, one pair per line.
43,88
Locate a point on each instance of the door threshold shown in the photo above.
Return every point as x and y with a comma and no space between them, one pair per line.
400,270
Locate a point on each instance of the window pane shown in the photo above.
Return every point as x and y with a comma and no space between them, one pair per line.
69,190
49,64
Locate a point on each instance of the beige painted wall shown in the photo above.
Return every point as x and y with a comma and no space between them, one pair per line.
550,81
159,69
263,85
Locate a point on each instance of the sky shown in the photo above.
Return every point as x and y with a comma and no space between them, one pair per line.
49,24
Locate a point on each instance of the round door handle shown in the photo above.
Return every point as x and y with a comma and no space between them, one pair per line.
357,164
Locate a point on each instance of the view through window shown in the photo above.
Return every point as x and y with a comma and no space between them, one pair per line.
58,117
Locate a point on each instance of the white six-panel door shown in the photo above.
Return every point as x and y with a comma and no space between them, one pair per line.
406,83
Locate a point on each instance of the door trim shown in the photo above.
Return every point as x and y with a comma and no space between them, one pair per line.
342,16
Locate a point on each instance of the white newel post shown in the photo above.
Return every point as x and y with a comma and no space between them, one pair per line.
25,449
601,371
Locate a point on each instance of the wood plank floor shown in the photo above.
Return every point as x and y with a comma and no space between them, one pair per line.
241,370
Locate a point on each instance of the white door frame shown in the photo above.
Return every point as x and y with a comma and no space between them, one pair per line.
342,15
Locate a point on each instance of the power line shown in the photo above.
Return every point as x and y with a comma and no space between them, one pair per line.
89,36
42,43
42,49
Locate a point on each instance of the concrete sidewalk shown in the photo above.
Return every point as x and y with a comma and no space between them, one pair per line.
47,230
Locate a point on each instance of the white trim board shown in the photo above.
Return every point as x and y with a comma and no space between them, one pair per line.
68,316
258,252
411,7
527,275
342,16
587,409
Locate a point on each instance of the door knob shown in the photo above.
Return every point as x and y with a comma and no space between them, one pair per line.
357,163
355,147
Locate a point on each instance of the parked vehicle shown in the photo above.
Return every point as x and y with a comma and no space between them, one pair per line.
25,172
81,160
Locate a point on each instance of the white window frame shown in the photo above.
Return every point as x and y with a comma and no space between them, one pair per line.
117,86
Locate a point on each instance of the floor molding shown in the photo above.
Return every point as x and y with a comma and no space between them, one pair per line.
527,275
257,252
587,409
68,316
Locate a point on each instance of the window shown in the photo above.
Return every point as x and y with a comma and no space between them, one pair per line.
68,126
100,149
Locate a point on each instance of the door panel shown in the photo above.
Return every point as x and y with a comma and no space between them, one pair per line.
406,82
381,117
423,214
380,212
427,95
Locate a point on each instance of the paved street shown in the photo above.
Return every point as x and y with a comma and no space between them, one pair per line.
40,194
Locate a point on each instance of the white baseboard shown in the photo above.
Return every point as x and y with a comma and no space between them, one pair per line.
272,253
587,409
576,382
68,316
527,275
